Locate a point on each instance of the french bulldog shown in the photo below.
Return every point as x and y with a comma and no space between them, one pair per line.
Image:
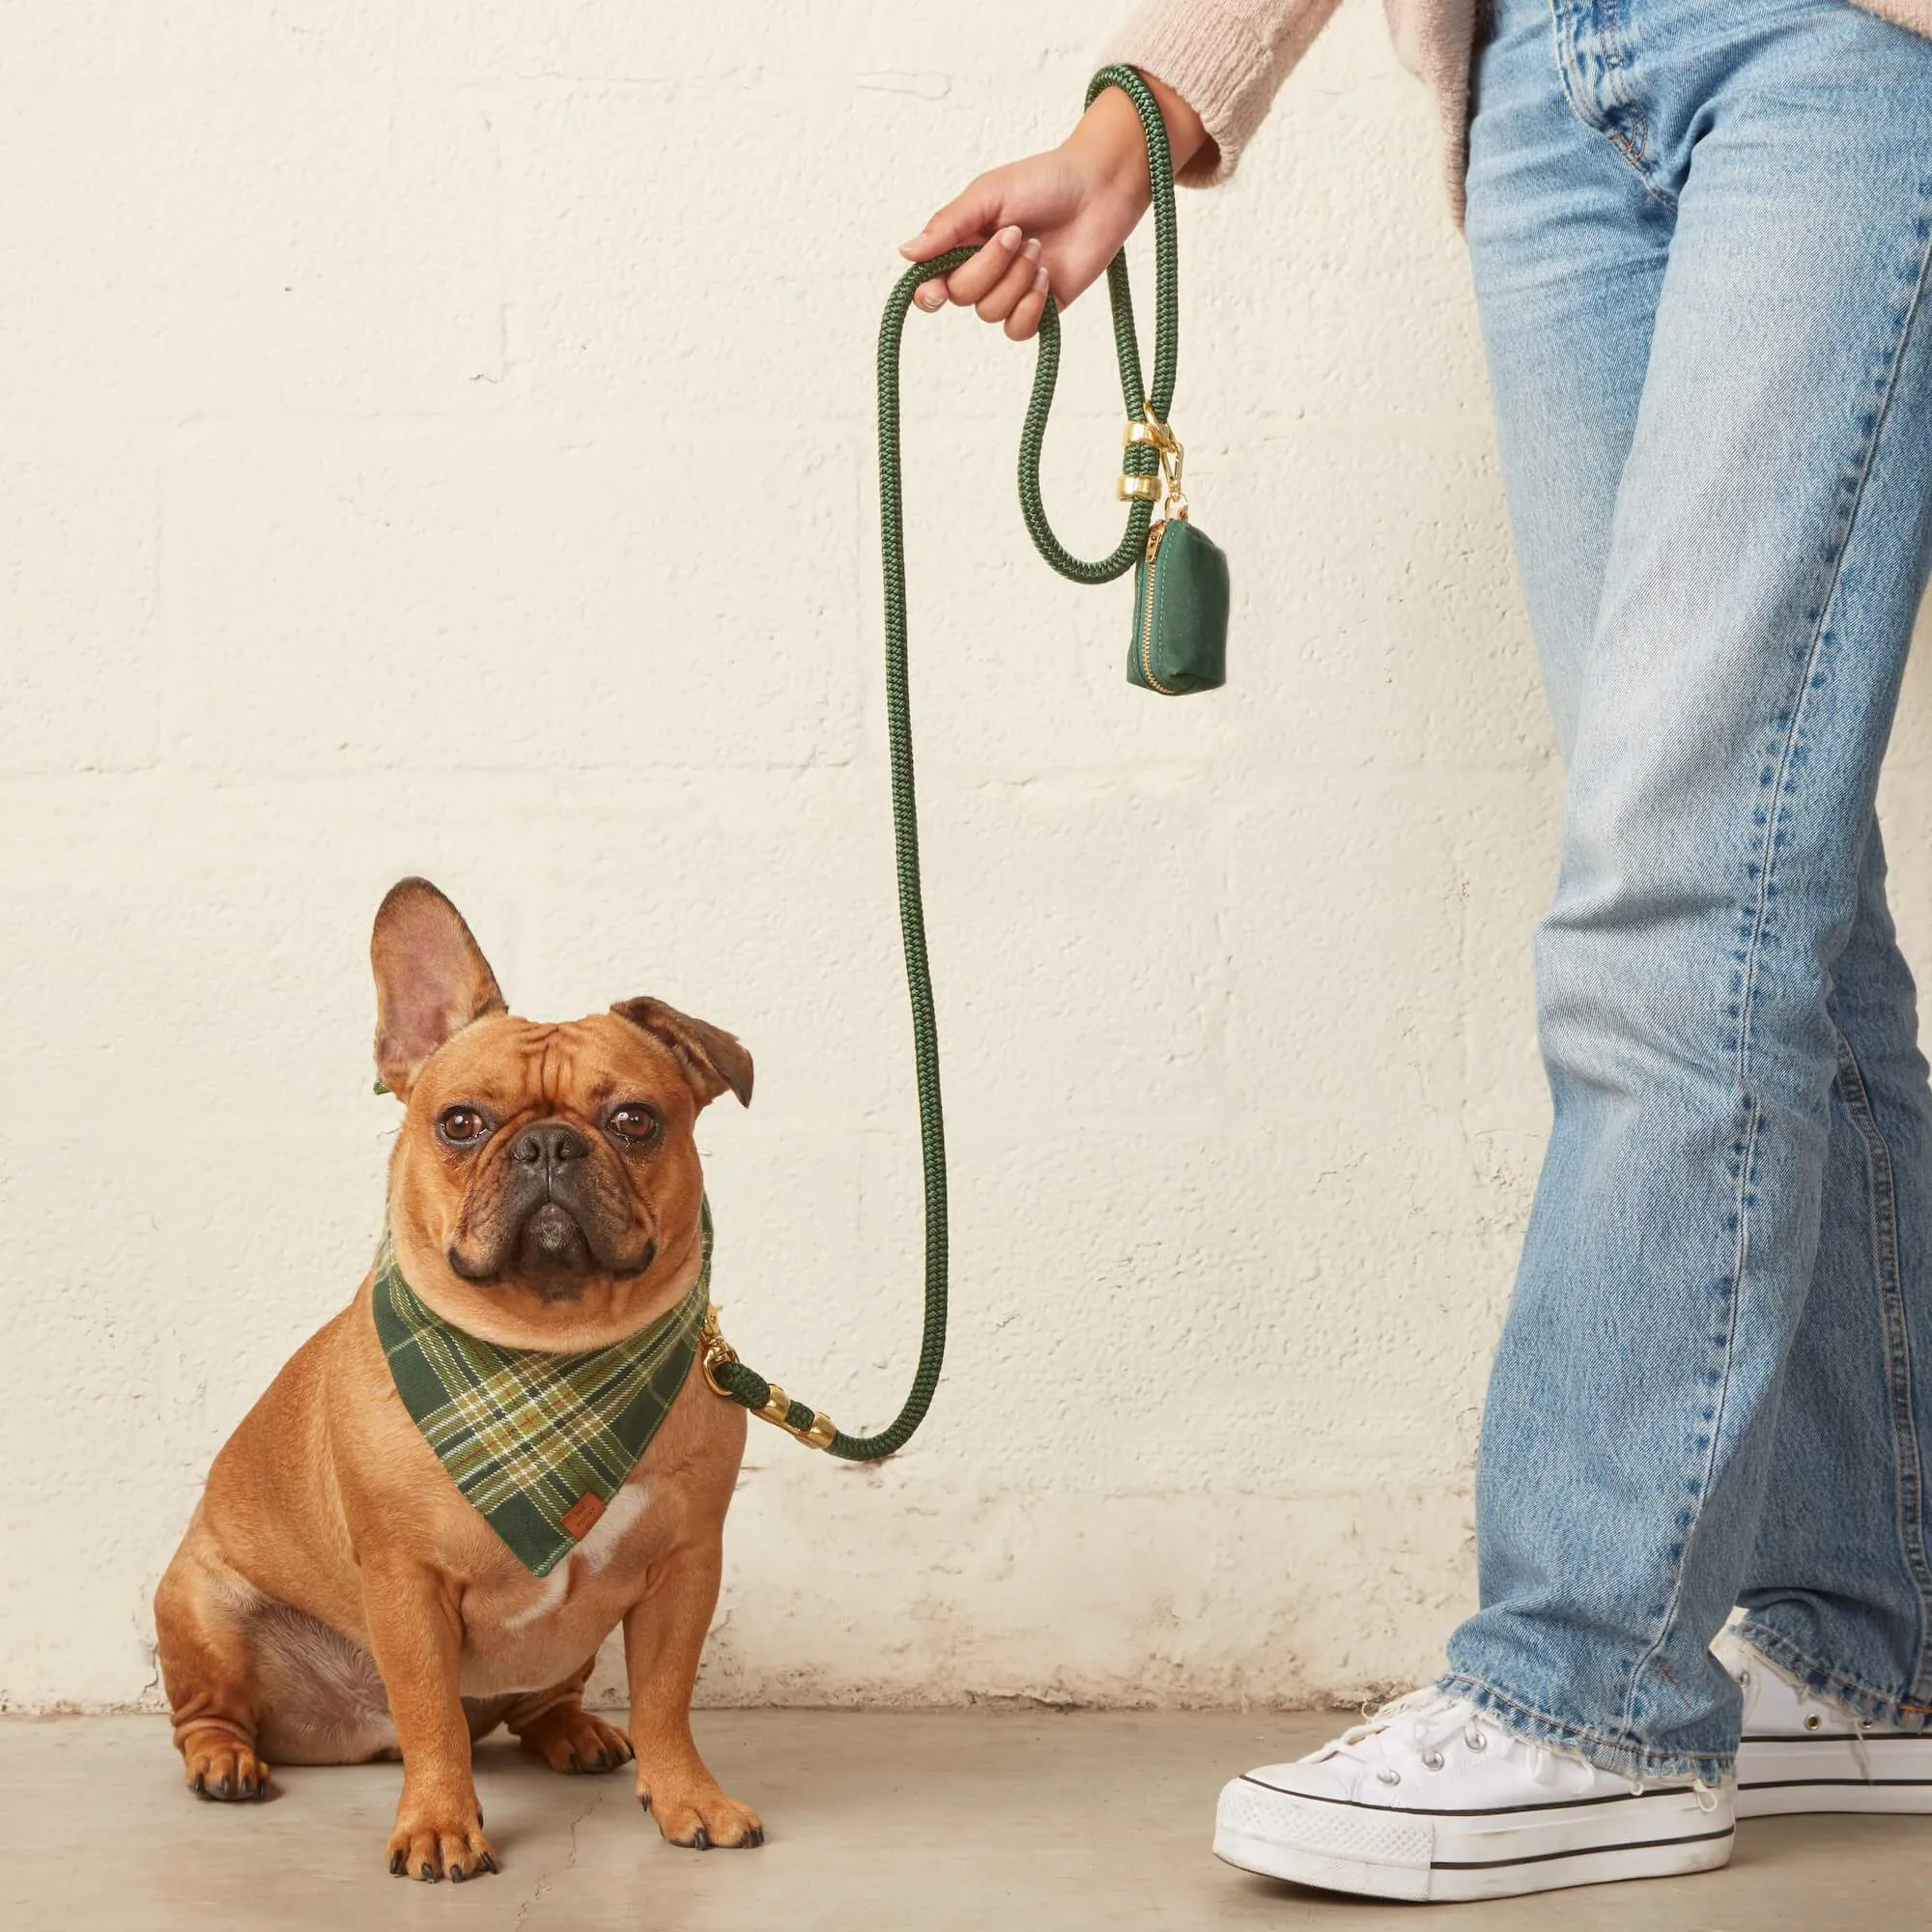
336,1597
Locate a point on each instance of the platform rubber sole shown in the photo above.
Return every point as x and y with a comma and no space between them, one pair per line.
1379,1852
1780,1776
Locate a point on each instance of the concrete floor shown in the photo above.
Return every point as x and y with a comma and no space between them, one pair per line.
977,1821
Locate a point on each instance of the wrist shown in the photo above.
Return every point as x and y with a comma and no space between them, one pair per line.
1186,137
1108,137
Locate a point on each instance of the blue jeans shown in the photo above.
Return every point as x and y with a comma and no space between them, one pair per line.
1701,233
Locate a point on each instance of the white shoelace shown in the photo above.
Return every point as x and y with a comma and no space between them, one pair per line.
1420,1725
1424,1720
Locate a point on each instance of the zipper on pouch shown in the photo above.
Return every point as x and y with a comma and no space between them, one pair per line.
1154,537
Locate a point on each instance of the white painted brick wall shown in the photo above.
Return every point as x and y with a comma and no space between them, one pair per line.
437,437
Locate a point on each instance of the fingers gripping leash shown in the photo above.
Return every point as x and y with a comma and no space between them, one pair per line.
1151,462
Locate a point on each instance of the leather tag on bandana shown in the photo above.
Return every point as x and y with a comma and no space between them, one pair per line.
581,1518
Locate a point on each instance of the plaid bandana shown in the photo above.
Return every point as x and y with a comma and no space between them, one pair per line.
539,1442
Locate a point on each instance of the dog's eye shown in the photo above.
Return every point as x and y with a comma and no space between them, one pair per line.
635,1123
462,1126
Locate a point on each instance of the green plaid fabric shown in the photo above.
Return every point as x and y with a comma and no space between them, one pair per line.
538,1443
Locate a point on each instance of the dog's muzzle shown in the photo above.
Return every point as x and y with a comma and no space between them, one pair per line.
549,1222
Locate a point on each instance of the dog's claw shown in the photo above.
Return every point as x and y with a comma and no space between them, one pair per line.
456,1875
428,1871
490,1863
396,1864
755,1836
576,1762
226,1788
200,1785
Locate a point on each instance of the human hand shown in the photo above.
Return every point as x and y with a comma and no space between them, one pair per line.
1055,220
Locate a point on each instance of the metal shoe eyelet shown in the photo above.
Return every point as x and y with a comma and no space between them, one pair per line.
1389,1776
1475,1739
1433,1759
1812,1721
1743,1679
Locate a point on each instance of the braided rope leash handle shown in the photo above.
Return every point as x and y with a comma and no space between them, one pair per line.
1141,459
725,1372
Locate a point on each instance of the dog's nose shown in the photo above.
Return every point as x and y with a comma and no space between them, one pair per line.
549,1144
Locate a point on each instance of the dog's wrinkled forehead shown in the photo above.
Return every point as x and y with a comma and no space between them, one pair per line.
573,1066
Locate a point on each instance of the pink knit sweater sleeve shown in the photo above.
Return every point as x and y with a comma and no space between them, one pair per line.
1225,58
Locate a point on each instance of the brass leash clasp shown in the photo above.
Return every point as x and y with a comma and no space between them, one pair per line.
715,1353
1148,488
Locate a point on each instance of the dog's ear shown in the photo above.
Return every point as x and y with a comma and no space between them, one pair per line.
432,980
708,1057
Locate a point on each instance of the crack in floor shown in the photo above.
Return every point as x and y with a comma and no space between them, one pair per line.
550,1872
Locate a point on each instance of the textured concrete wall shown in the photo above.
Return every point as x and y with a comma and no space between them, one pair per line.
439,439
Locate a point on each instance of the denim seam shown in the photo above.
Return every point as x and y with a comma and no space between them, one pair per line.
1795,714
1631,144
1874,1707
1908,1467
1634,145
1620,1755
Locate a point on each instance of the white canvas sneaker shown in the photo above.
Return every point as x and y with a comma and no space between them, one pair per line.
1800,1753
1430,1800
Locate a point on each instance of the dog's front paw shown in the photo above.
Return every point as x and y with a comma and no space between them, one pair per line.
699,1816
220,1767
569,1739
427,1848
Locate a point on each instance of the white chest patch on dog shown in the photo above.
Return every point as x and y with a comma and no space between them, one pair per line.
597,1551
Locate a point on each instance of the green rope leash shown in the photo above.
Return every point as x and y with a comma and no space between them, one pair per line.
726,1373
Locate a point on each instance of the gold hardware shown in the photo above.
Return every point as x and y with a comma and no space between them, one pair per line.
817,1434
1166,479
714,1352
1172,455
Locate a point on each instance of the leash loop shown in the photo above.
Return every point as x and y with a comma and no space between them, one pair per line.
1152,457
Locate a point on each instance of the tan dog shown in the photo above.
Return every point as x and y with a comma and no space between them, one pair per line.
336,1598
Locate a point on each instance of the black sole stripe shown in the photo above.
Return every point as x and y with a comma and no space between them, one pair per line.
1850,1784
1924,1738
1581,1852
1494,1812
